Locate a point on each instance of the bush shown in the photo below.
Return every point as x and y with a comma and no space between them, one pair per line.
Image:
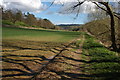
7,22
18,23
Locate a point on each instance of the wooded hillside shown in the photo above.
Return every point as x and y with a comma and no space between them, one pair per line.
25,19
101,30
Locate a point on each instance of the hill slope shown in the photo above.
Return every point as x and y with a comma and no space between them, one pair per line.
101,30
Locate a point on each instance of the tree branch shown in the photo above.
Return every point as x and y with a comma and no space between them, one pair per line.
116,13
100,6
105,9
117,16
50,5
80,3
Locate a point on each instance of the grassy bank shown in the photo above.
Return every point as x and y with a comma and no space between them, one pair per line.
103,64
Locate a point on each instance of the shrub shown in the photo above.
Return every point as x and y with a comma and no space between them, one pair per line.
7,22
18,23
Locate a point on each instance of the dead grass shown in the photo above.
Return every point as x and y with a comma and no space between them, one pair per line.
101,30
20,57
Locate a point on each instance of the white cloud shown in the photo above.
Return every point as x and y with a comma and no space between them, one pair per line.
23,5
86,7
37,6
64,1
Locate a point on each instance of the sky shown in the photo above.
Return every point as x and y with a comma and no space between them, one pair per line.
56,13
52,13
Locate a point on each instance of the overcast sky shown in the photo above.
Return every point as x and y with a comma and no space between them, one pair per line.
56,13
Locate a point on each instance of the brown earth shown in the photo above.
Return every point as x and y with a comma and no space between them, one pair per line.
23,59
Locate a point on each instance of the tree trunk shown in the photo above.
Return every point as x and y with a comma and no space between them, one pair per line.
112,23
113,38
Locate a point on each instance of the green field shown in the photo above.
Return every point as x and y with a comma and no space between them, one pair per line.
38,35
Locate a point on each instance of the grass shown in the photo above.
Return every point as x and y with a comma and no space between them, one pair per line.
38,35
103,63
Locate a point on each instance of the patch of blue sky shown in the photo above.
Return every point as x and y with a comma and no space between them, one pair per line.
52,13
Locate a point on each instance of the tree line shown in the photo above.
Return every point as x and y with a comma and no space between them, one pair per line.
26,19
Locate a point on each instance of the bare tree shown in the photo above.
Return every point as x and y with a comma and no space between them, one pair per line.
105,6
98,15
112,23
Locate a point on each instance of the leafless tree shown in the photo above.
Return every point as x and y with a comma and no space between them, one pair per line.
105,6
